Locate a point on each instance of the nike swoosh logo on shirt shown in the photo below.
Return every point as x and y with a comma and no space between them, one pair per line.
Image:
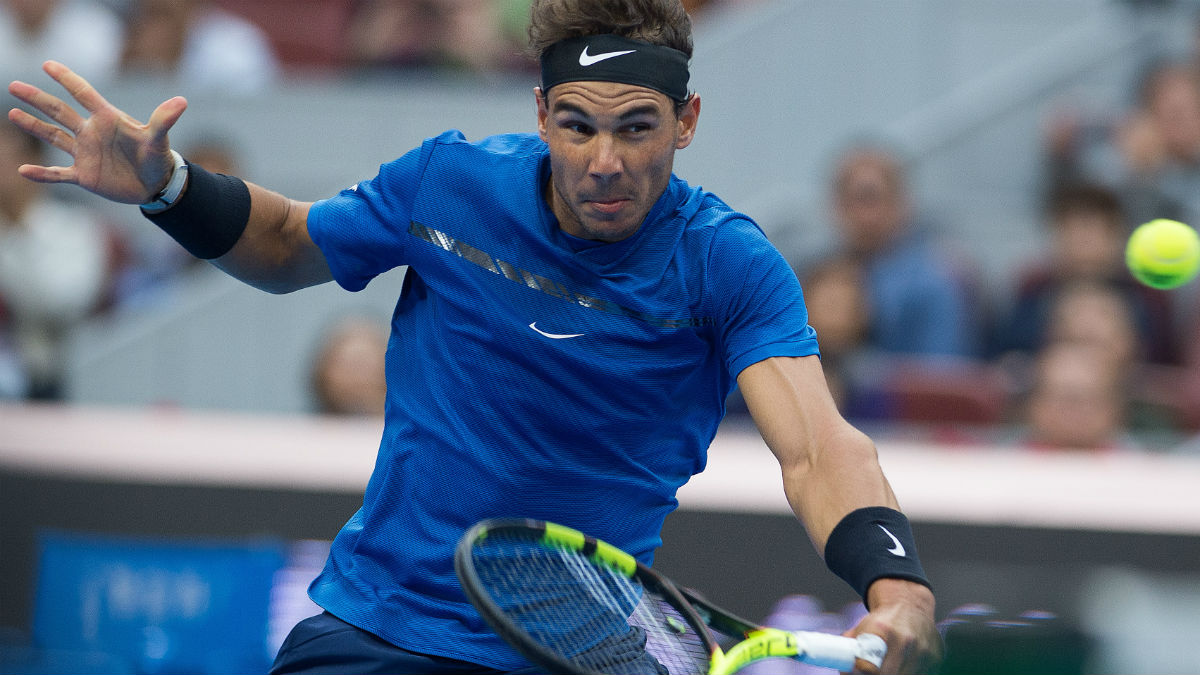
553,336
898,549
586,59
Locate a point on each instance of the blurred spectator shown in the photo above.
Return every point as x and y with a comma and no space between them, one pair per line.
84,33
1087,234
921,299
347,375
1077,401
1151,156
1101,316
216,153
468,35
54,265
307,36
478,36
840,311
1102,319
203,46
1161,398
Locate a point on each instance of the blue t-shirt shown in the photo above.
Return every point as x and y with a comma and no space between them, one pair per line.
533,374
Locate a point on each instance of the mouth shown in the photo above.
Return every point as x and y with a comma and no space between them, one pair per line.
608,206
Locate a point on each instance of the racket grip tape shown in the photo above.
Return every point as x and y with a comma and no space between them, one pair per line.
818,649
838,652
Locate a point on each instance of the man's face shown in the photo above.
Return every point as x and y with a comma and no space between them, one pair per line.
870,204
1087,244
612,149
1176,111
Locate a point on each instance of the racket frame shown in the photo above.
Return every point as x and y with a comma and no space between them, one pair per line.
755,641
600,552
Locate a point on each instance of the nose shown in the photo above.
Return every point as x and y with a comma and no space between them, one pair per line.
606,163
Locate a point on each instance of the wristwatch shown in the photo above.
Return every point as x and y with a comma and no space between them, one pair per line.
170,194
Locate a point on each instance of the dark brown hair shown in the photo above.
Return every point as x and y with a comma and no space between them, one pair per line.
659,22
1085,198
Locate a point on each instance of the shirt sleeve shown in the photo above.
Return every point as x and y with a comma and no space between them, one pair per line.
757,298
363,230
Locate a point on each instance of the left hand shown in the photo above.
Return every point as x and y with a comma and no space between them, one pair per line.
902,613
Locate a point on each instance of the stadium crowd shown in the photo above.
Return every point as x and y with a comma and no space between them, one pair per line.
1074,354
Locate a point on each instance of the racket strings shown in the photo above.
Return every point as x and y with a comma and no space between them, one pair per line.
670,638
587,613
604,587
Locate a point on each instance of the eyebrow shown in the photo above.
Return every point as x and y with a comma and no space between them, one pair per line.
638,111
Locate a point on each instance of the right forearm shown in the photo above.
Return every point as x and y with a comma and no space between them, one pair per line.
275,252
253,234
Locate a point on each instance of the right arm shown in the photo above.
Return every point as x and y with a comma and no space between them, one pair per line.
123,160
275,252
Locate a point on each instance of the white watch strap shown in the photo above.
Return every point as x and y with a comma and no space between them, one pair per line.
170,194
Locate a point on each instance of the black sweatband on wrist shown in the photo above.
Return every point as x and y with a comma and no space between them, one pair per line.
210,216
873,543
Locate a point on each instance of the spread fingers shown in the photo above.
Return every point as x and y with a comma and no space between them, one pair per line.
49,105
50,133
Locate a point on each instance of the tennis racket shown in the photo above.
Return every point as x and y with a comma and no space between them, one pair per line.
575,605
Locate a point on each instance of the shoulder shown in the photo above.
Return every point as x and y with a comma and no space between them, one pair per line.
727,245
707,215
450,162
728,234
500,145
451,151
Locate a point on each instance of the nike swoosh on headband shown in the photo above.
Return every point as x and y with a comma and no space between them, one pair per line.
552,336
586,59
898,549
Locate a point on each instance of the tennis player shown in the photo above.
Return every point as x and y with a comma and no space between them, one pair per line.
572,320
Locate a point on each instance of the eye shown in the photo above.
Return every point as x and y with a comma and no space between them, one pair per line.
577,127
638,128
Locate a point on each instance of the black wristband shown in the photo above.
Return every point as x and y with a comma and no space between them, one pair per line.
873,543
210,216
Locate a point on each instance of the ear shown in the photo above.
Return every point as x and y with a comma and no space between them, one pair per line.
688,119
543,113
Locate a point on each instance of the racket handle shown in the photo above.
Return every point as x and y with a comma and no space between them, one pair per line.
838,652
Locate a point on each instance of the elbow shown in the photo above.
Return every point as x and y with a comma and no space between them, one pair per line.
274,274
278,285
856,447
833,452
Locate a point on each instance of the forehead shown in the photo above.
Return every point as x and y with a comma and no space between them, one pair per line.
598,99
867,169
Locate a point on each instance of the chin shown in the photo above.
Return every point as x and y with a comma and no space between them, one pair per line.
611,234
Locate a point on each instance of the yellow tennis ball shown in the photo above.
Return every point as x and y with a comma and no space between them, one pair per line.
1163,253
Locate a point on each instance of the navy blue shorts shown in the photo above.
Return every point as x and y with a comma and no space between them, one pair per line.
326,645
